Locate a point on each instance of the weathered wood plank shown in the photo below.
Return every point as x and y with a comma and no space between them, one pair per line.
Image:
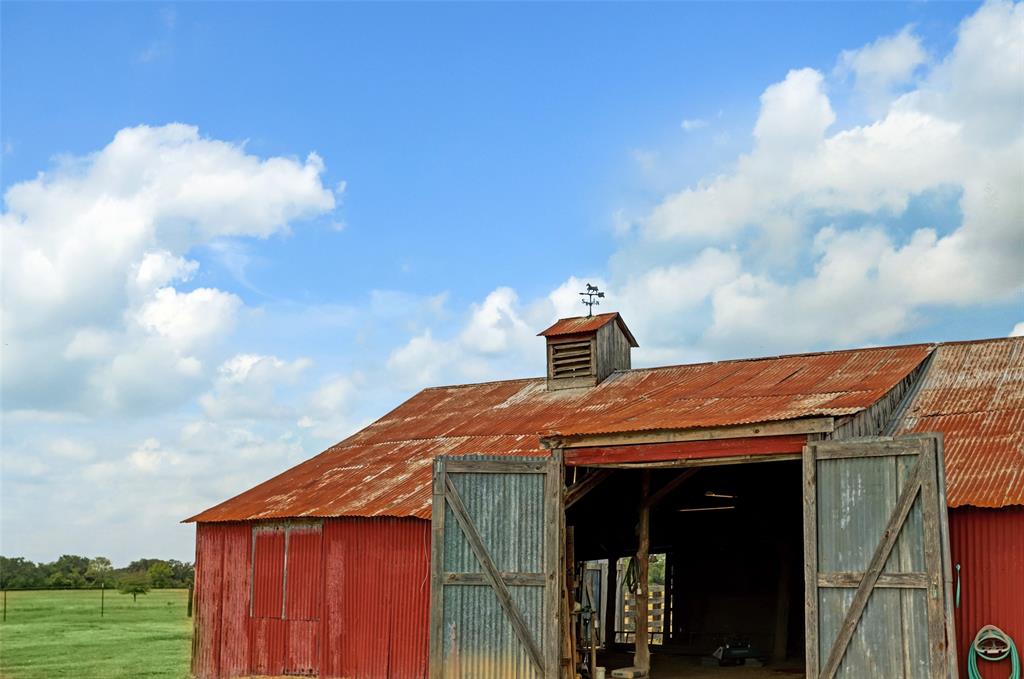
810,561
897,580
437,572
807,425
554,529
512,579
933,563
575,493
510,466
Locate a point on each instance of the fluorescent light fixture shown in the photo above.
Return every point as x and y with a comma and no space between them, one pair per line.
724,496
705,509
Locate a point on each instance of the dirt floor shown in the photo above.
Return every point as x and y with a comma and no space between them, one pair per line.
665,666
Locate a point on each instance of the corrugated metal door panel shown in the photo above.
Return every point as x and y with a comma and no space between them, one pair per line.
304,582
496,515
268,571
234,637
864,497
267,643
207,608
375,597
989,546
301,648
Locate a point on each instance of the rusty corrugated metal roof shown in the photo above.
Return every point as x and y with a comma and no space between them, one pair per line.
385,469
581,324
973,393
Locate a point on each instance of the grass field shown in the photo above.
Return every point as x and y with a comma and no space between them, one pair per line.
61,634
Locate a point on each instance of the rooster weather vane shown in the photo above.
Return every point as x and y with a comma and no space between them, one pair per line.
592,296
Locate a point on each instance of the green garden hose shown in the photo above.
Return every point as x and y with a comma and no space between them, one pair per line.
992,644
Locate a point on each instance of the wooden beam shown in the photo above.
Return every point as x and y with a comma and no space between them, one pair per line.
575,492
697,463
806,425
897,580
685,450
662,492
642,651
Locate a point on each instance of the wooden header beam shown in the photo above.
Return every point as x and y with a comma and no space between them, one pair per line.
807,425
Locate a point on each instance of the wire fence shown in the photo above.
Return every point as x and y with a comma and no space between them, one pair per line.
102,598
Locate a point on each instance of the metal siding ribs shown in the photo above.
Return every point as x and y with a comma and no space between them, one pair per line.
989,546
974,394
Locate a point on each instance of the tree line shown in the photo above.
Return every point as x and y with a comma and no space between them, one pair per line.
74,572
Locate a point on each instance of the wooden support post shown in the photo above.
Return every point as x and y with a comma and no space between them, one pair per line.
642,653
191,593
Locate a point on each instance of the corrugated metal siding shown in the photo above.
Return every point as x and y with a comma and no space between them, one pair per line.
385,469
220,648
508,513
377,598
305,573
989,546
974,394
268,572
268,644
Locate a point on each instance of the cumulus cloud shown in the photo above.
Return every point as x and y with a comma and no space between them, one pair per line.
95,264
881,67
961,128
247,387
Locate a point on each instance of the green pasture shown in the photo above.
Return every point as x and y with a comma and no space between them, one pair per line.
61,634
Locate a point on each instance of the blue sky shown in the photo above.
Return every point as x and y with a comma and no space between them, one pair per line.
193,302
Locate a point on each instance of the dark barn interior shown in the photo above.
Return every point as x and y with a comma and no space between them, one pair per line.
732,543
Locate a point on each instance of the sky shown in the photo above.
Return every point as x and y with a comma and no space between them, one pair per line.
233,234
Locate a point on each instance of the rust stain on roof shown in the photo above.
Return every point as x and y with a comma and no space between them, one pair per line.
583,324
974,394
385,469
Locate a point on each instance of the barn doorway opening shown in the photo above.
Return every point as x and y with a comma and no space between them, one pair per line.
725,568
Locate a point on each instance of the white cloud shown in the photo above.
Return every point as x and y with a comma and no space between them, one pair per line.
942,135
1018,330
691,124
881,67
247,387
95,251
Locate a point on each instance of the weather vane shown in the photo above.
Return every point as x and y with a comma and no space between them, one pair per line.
591,293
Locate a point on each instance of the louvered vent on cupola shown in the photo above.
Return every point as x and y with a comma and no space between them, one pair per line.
583,351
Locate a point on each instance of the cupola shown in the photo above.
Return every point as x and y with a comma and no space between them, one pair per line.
582,351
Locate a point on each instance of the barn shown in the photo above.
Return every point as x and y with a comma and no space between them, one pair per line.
849,512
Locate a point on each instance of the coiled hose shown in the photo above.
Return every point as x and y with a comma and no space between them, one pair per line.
991,633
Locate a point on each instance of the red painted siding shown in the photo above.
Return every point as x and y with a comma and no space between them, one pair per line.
219,644
268,572
377,594
356,604
989,546
305,573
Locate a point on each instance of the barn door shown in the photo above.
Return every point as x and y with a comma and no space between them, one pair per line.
495,576
877,560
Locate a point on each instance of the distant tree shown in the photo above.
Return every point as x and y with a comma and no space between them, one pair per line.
161,575
100,572
20,573
135,584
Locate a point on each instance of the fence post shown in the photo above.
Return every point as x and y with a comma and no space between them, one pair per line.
5,604
103,592
189,611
